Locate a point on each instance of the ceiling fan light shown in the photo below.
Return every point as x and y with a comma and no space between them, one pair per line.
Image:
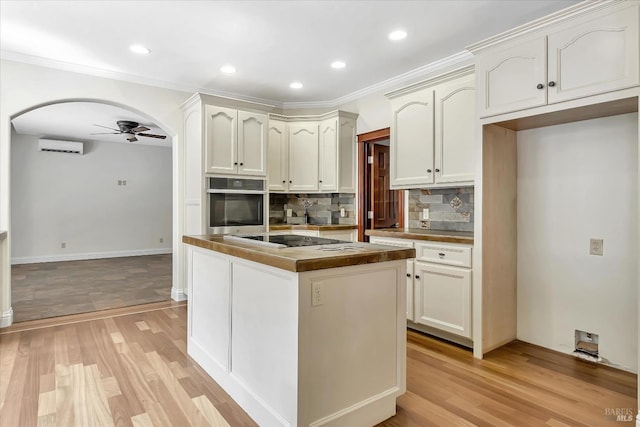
140,49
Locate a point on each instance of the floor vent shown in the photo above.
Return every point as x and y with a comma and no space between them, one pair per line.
587,345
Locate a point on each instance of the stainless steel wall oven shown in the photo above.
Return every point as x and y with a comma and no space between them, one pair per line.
236,205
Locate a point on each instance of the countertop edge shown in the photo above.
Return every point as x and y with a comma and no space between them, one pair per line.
408,235
299,265
319,227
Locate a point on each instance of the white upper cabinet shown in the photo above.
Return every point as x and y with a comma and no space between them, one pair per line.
514,78
433,132
221,140
303,157
278,156
455,130
307,155
236,142
588,55
328,156
347,167
597,56
412,139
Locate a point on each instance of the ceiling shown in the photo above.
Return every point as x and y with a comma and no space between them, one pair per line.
271,43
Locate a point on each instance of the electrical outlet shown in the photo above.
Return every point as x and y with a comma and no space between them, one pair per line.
119,182
63,245
425,214
161,240
124,182
289,212
342,213
596,247
317,294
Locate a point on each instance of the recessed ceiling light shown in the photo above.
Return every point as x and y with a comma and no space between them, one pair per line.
397,35
228,69
138,48
296,85
338,64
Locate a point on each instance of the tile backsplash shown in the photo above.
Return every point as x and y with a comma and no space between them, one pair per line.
449,209
324,208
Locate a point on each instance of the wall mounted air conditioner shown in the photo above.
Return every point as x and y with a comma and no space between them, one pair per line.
61,146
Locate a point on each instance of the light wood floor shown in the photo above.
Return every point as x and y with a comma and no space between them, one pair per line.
60,288
128,367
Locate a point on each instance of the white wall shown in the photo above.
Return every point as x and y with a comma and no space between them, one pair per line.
75,199
575,182
25,87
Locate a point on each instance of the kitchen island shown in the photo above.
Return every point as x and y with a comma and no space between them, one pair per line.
300,336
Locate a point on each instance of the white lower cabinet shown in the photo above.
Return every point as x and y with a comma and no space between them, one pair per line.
443,297
438,285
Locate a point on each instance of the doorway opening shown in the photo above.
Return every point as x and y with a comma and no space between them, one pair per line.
379,206
91,227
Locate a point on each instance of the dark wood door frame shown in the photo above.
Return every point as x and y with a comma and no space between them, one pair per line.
365,142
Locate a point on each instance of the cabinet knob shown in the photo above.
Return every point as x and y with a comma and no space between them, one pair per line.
290,182
417,277
320,181
241,164
428,170
235,163
284,181
441,255
437,170
540,86
552,84
408,274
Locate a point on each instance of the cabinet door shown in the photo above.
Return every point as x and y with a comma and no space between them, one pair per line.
303,157
347,168
443,298
597,56
278,156
508,80
412,139
328,166
455,130
221,140
252,143
410,290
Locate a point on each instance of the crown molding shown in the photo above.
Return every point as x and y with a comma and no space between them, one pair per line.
461,58
466,70
457,59
541,23
313,117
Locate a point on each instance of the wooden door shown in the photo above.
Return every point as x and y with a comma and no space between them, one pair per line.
384,200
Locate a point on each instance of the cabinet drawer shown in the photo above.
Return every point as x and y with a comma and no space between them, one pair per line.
401,243
444,254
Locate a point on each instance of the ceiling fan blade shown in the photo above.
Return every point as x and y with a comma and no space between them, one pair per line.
107,127
132,139
150,135
140,129
105,133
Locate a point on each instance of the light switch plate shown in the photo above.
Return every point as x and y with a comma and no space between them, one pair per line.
289,212
425,214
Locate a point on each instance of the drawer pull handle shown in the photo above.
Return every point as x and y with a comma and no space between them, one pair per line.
441,255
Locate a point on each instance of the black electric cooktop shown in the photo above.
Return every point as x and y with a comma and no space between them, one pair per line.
293,240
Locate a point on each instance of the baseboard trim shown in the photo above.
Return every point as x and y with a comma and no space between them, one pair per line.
6,319
178,294
90,255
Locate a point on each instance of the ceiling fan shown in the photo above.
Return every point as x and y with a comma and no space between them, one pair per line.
131,129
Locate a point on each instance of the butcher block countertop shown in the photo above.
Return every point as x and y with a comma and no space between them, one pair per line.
299,259
320,227
420,234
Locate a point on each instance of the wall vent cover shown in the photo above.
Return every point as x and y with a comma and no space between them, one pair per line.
55,146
